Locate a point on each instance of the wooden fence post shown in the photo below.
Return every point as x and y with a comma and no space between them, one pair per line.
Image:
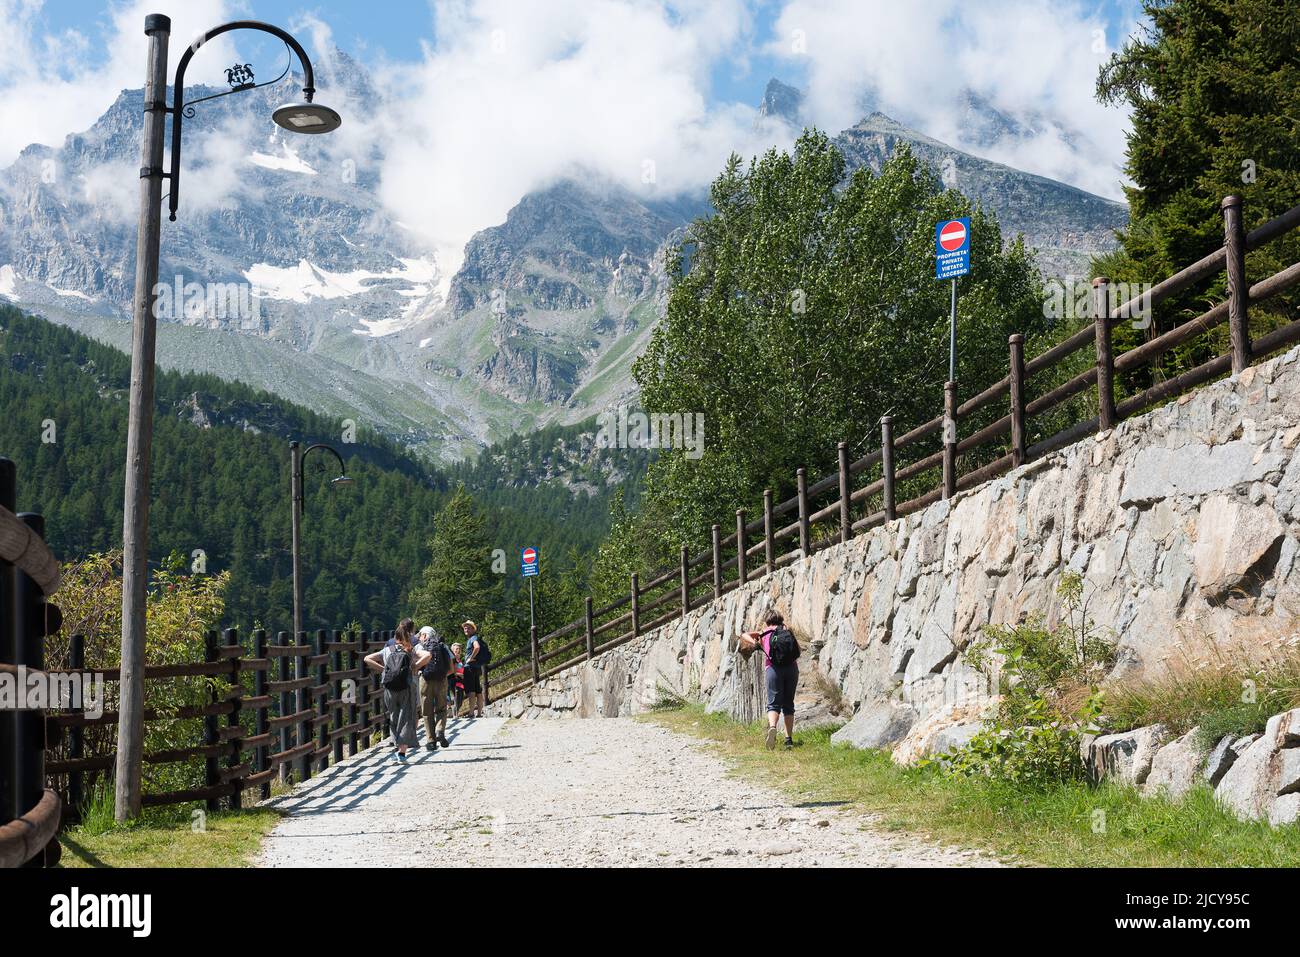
354,670
805,533
77,734
742,572
302,702
537,666
286,706
1016,377
846,524
262,718
211,766
321,693
337,706
1234,241
1105,355
363,691
636,604
591,631
769,543
949,439
717,562
887,466
686,581
229,639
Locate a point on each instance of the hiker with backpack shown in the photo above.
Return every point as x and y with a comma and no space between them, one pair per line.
398,663
477,657
433,687
781,655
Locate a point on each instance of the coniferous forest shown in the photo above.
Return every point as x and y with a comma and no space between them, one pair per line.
221,487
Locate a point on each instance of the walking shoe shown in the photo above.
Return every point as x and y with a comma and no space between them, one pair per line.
431,747
771,738
401,758
443,742
789,744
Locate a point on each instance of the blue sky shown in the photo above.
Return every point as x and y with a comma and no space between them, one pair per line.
397,30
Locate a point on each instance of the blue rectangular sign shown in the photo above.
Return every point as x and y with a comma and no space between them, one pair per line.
952,248
529,559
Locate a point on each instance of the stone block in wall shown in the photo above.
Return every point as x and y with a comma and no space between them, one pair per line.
1124,757
878,724
1175,769
1264,782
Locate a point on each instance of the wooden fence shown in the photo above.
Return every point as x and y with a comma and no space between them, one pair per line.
273,708
786,531
29,573
286,705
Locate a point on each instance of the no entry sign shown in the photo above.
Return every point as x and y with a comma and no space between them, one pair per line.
528,562
952,249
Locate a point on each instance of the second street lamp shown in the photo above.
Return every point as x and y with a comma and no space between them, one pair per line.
305,117
297,456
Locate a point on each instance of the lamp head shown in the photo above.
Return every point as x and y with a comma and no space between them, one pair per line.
307,118
342,480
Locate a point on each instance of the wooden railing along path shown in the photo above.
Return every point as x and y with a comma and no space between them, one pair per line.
785,531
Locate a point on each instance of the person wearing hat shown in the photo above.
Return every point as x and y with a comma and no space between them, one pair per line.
433,688
473,668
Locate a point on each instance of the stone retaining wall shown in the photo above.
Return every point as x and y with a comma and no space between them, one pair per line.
1184,524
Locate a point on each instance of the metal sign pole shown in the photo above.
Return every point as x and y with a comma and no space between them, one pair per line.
532,617
952,336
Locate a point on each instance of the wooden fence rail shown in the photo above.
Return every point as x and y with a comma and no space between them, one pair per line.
254,730
910,457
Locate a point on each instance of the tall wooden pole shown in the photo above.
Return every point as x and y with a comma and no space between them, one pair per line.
295,510
139,434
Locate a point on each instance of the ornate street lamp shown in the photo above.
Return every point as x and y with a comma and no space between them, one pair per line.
298,455
304,117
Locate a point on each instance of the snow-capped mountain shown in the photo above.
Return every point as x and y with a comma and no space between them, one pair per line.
339,306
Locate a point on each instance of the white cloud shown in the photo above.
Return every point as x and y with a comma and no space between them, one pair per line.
47,87
515,94
1023,56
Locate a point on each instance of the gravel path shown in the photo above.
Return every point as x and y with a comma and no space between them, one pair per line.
612,792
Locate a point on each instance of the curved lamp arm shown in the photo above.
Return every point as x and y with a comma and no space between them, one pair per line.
343,469
178,101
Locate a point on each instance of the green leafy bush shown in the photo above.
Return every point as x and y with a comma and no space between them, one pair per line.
1033,738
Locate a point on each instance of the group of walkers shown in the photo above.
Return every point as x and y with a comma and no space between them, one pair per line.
421,674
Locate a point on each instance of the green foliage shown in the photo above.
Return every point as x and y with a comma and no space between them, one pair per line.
458,583
1214,90
1036,749
1037,661
224,487
1033,738
1219,683
179,611
803,309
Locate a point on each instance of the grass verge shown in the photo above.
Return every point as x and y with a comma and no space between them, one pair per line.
1068,825
165,837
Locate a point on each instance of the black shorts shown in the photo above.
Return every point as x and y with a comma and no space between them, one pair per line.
473,683
781,683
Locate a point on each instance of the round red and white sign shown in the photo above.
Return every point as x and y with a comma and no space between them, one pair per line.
952,235
530,556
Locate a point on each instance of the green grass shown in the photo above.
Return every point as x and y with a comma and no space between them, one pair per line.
229,839
1214,685
1053,827
166,836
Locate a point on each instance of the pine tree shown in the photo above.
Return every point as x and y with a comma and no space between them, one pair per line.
458,583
